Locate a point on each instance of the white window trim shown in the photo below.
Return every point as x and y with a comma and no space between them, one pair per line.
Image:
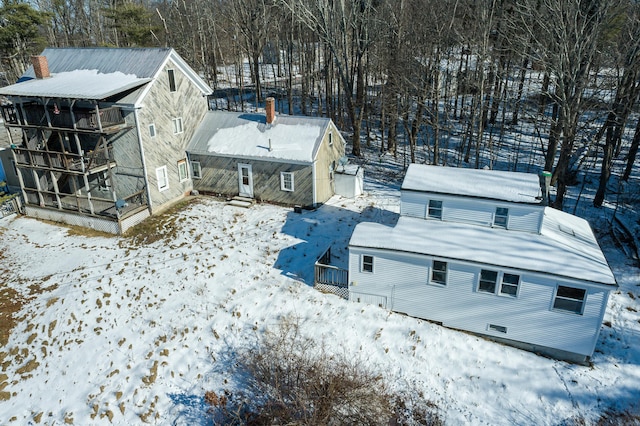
362,262
506,218
195,165
441,208
162,175
446,274
152,130
183,176
498,284
566,311
178,126
283,181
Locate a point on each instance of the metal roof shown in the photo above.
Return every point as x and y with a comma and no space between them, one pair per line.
141,62
247,135
110,65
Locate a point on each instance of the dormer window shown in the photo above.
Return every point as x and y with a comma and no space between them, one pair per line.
434,210
501,217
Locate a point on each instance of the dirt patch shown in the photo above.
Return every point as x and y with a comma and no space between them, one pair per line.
159,227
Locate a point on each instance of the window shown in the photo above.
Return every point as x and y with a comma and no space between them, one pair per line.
498,328
286,181
332,168
367,263
501,216
152,130
163,178
439,272
172,80
488,281
330,139
177,125
435,209
510,284
182,170
196,172
569,299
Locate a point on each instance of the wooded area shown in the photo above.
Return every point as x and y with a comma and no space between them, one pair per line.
399,74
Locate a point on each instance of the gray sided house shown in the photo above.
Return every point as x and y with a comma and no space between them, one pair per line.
102,132
478,250
288,160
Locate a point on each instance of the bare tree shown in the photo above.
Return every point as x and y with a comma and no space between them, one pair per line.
564,37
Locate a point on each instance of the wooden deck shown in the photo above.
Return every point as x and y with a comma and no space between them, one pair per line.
331,279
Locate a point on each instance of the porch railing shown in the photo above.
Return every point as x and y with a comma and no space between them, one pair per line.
329,278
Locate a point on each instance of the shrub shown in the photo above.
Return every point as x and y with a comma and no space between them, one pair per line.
289,379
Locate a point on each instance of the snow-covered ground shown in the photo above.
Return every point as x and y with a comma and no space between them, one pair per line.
120,332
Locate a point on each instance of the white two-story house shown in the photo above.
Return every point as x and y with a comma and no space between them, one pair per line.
478,250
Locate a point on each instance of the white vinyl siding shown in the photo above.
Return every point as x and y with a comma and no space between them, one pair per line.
527,218
529,317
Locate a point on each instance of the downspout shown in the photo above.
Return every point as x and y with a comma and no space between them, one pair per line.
313,180
144,163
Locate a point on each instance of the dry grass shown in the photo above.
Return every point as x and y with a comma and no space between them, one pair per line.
159,227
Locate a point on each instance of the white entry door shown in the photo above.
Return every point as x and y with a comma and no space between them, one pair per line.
245,180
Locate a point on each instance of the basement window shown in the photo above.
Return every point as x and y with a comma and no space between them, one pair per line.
569,299
498,328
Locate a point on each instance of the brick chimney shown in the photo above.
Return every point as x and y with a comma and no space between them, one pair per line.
270,109
40,67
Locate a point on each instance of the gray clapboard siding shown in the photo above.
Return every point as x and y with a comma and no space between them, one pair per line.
220,175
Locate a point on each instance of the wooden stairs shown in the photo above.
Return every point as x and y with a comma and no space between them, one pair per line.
239,201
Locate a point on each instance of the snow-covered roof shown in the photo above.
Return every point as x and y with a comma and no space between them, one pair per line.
100,72
489,184
77,84
246,135
566,246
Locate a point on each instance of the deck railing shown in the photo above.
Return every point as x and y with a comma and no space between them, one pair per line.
62,161
329,278
34,115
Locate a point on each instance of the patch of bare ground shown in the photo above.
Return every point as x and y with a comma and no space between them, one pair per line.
162,226
11,303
